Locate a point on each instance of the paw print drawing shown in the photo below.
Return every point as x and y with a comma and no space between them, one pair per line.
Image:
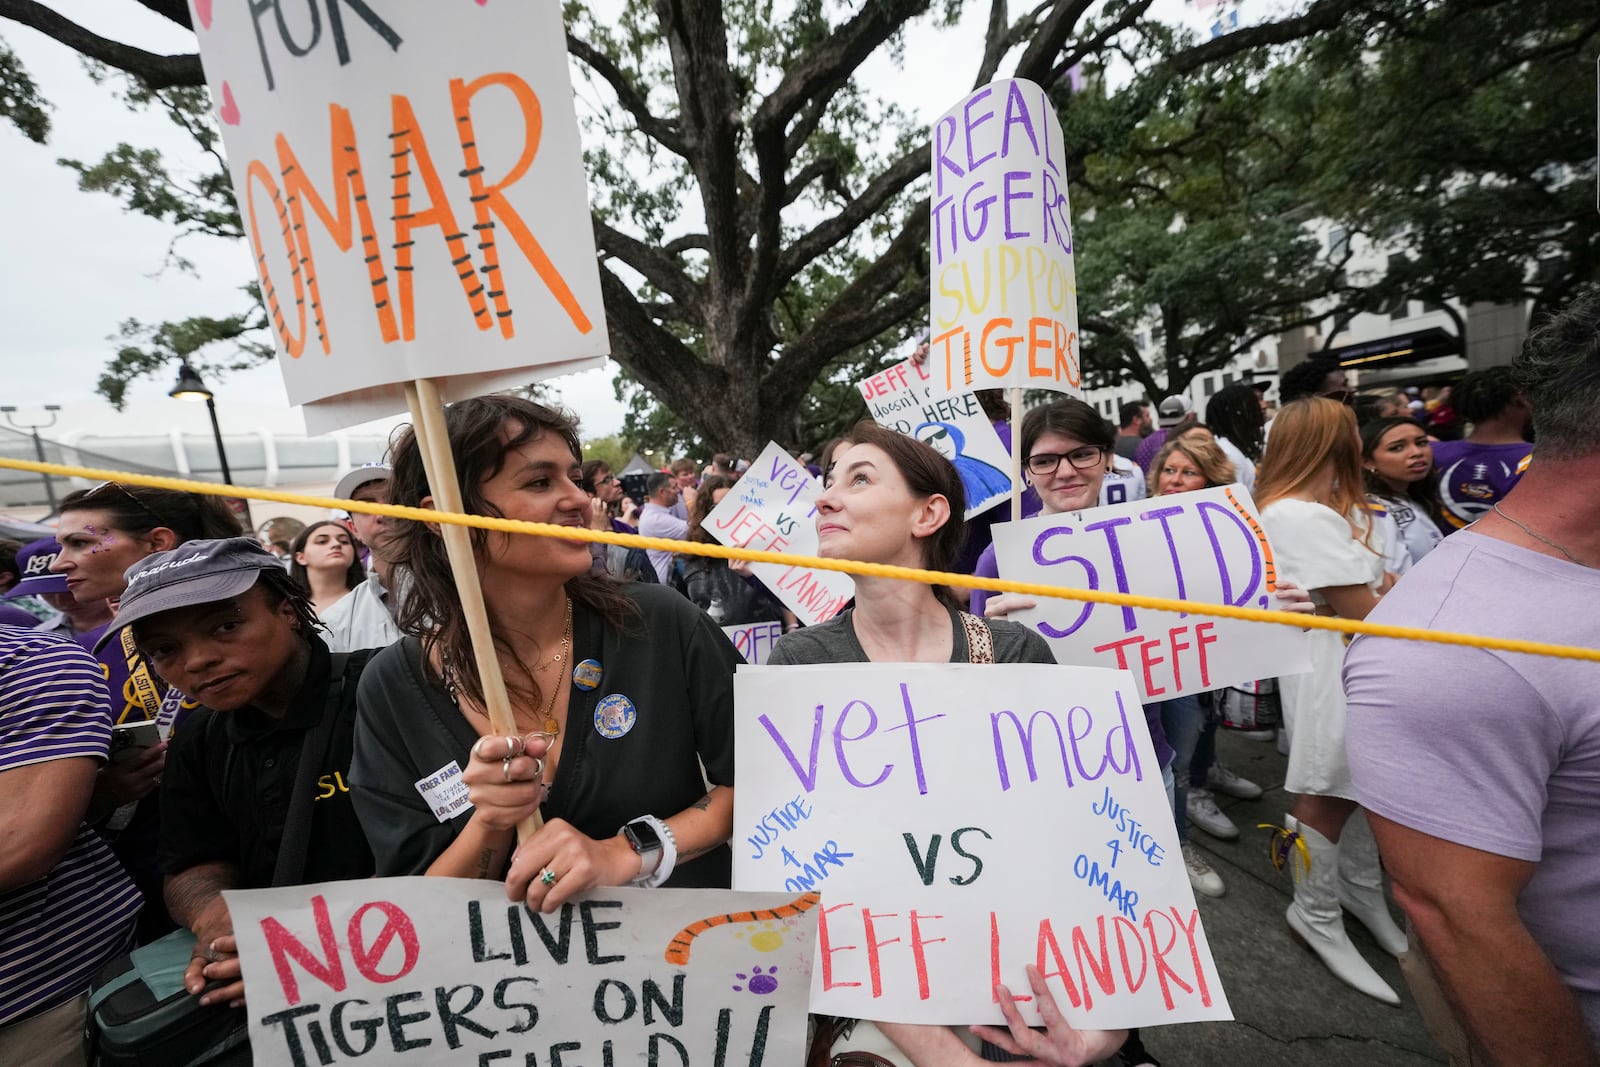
765,938
758,982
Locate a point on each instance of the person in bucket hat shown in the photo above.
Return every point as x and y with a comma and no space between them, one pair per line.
222,622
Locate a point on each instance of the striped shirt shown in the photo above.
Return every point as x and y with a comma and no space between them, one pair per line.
55,933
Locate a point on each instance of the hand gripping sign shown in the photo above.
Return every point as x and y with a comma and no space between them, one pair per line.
1205,546
411,183
962,822
397,971
1004,300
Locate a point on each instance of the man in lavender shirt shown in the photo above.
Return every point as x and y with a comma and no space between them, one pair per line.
1481,770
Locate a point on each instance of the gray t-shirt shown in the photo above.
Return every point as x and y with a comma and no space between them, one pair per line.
835,642
1493,750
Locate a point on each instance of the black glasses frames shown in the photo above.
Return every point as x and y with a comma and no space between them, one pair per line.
1086,458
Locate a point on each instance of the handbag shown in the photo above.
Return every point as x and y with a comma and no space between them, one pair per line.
139,1013
1252,706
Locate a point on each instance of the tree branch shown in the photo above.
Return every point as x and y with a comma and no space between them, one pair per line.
819,72
156,71
860,312
663,363
1052,35
663,131
817,240
658,268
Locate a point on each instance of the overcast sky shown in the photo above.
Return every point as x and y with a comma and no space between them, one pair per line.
76,265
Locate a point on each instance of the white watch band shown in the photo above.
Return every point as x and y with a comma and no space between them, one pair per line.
668,855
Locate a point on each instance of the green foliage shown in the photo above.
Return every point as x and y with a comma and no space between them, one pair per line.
1469,140
613,449
20,102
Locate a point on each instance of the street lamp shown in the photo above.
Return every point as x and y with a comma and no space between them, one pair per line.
38,446
190,387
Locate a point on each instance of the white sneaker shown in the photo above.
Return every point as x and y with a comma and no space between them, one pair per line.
1201,877
1204,813
1222,780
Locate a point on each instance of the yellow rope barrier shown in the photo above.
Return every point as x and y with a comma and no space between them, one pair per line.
873,570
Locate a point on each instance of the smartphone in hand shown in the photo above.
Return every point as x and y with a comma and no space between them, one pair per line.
130,738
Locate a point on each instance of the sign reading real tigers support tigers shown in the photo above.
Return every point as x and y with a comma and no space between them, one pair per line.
444,970
411,185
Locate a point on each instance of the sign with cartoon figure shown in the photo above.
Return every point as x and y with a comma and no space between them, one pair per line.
412,188
962,822
433,970
1004,299
902,398
1206,546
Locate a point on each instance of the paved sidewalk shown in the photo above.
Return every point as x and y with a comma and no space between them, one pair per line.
1288,1009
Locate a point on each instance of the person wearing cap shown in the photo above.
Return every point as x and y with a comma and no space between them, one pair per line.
1172,414
26,612
222,621
80,620
365,618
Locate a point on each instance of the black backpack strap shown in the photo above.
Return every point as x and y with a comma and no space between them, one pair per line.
290,868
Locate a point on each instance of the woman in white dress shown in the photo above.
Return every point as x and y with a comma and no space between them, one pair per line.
1310,493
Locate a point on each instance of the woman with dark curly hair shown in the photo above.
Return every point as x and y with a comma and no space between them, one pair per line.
620,691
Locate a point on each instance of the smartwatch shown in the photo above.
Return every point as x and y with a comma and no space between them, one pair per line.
652,840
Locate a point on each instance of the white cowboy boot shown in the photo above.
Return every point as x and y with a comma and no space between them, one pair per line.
1316,921
1361,885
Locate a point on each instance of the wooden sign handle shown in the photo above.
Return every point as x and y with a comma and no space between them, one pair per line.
433,440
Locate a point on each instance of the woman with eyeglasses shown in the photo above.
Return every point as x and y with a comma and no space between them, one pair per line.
888,498
1184,465
104,531
606,500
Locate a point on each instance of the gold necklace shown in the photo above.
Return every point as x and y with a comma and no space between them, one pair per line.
551,726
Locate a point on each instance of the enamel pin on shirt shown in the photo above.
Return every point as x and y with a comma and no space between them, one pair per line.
586,675
614,716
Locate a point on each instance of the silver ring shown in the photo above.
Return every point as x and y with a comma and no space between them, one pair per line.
549,877
538,766
505,768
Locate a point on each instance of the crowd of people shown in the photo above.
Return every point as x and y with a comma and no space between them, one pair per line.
187,709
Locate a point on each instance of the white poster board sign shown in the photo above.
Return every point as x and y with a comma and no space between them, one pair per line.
754,640
772,508
1206,546
1004,295
962,822
444,970
902,398
412,188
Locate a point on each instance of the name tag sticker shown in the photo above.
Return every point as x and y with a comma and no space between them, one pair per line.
445,792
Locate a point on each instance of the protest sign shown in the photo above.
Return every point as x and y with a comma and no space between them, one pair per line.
433,970
962,822
772,508
411,182
1004,294
754,640
902,398
1205,546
